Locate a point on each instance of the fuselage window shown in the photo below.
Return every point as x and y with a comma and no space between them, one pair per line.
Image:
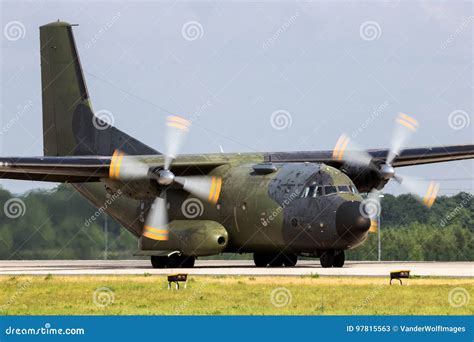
344,188
329,189
312,191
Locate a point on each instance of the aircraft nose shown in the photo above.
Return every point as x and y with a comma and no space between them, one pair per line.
349,218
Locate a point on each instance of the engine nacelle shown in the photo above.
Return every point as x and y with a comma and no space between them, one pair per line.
190,237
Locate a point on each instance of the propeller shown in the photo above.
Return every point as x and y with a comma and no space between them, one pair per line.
128,168
349,152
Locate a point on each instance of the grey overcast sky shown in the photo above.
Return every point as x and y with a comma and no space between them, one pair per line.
325,67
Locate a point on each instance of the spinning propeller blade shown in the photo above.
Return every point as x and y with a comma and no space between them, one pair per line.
404,129
204,187
425,192
156,224
348,151
124,167
177,128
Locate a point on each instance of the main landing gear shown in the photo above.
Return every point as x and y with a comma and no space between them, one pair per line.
332,258
173,261
275,259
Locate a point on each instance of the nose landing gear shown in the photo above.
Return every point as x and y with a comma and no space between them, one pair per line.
331,258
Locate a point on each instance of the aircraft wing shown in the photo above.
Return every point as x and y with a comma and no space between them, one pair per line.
55,169
85,168
408,157
92,168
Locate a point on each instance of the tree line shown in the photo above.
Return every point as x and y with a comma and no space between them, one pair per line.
52,224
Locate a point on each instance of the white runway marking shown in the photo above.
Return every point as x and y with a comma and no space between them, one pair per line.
232,267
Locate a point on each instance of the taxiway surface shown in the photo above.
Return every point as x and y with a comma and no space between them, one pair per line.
233,267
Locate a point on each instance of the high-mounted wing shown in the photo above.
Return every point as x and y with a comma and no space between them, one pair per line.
427,155
93,168
55,169
87,169
407,157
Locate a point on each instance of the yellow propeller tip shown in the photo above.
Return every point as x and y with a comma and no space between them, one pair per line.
215,190
341,145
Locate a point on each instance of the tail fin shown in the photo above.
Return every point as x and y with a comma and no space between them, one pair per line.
69,125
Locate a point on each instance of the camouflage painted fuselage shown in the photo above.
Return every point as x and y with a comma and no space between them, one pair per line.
257,210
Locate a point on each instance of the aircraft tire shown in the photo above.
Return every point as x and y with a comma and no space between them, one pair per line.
339,259
180,261
290,260
276,260
188,261
261,259
158,261
327,259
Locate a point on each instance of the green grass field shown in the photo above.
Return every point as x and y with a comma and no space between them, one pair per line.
222,295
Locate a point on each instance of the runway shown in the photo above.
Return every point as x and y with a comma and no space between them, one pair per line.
233,268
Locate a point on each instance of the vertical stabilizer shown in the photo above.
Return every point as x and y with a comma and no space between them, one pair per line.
69,125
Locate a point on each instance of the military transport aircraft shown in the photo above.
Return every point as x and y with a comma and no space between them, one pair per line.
277,206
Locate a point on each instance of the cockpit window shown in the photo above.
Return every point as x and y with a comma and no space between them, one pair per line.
304,193
344,188
312,191
329,189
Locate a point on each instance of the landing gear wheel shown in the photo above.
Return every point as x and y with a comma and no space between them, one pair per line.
174,261
158,261
327,259
290,260
261,259
276,260
188,262
180,261
339,259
